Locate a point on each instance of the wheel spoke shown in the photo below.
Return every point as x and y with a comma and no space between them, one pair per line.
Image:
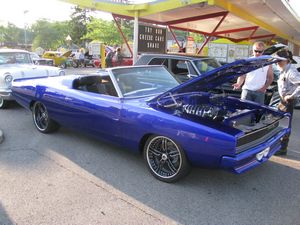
154,151
174,153
159,168
164,144
171,166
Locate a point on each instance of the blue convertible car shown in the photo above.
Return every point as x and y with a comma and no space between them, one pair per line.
143,108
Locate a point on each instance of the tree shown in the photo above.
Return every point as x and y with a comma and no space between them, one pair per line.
49,35
107,32
78,25
11,34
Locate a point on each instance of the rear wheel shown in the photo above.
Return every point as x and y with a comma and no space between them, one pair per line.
3,103
41,119
165,159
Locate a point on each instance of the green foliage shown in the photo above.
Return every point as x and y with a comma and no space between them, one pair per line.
198,38
107,31
78,25
11,34
49,35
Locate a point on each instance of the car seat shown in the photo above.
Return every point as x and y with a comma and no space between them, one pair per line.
90,84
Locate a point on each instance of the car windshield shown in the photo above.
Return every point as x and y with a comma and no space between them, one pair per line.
143,81
15,58
205,65
34,56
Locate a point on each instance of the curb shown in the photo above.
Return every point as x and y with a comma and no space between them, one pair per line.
1,136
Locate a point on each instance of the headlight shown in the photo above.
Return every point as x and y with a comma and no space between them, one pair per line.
8,78
284,122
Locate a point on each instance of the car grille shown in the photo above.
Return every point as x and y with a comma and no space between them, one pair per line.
257,137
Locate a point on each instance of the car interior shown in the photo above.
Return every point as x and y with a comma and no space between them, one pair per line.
95,84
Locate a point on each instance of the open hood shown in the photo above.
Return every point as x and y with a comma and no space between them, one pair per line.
67,53
274,48
218,76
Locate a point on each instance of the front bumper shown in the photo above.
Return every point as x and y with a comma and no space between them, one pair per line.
6,95
249,159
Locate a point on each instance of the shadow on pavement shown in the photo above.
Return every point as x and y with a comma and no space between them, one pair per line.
4,218
268,194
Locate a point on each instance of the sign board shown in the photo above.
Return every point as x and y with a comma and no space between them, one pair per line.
151,39
218,51
228,52
94,48
190,45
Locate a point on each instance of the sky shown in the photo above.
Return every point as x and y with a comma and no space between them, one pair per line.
55,10
52,10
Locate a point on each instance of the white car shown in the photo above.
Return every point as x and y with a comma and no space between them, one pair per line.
15,63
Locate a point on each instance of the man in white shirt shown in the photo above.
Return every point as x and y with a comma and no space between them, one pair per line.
255,83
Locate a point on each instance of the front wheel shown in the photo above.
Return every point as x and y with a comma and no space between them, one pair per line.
165,159
3,103
41,119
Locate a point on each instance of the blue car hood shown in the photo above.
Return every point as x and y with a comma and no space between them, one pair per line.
218,76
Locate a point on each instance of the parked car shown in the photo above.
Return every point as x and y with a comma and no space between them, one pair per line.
41,61
185,67
126,61
15,63
60,59
144,109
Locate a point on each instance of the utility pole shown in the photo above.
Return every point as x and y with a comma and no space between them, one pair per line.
25,27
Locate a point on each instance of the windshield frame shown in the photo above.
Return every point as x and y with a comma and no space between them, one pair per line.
142,81
15,58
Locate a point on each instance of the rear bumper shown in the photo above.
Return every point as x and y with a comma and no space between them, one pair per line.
250,158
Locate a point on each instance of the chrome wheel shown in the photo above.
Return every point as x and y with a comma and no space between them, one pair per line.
41,118
166,160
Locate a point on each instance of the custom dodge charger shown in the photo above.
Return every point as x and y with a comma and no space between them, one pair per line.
175,126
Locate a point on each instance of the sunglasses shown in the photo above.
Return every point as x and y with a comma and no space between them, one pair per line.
258,51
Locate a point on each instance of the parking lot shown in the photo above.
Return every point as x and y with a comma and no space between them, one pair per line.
70,178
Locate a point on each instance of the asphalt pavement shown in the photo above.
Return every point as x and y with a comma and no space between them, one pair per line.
69,178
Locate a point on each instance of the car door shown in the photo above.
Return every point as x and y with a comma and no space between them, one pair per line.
96,114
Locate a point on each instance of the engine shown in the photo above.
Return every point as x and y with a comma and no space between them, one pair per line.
206,111
223,110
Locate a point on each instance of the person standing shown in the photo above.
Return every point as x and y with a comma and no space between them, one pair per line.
119,57
81,58
288,89
108,58
255,83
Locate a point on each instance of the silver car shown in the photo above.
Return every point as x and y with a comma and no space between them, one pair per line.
15,63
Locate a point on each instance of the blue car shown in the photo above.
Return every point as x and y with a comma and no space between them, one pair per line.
175,126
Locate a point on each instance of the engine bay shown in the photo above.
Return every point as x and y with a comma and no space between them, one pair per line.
221,109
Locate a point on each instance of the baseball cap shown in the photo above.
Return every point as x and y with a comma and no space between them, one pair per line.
287,54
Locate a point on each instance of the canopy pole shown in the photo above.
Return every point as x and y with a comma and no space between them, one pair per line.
135,36
209,37
175,38
121,32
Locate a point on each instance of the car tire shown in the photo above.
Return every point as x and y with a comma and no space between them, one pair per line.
41,119
165,159
3,103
